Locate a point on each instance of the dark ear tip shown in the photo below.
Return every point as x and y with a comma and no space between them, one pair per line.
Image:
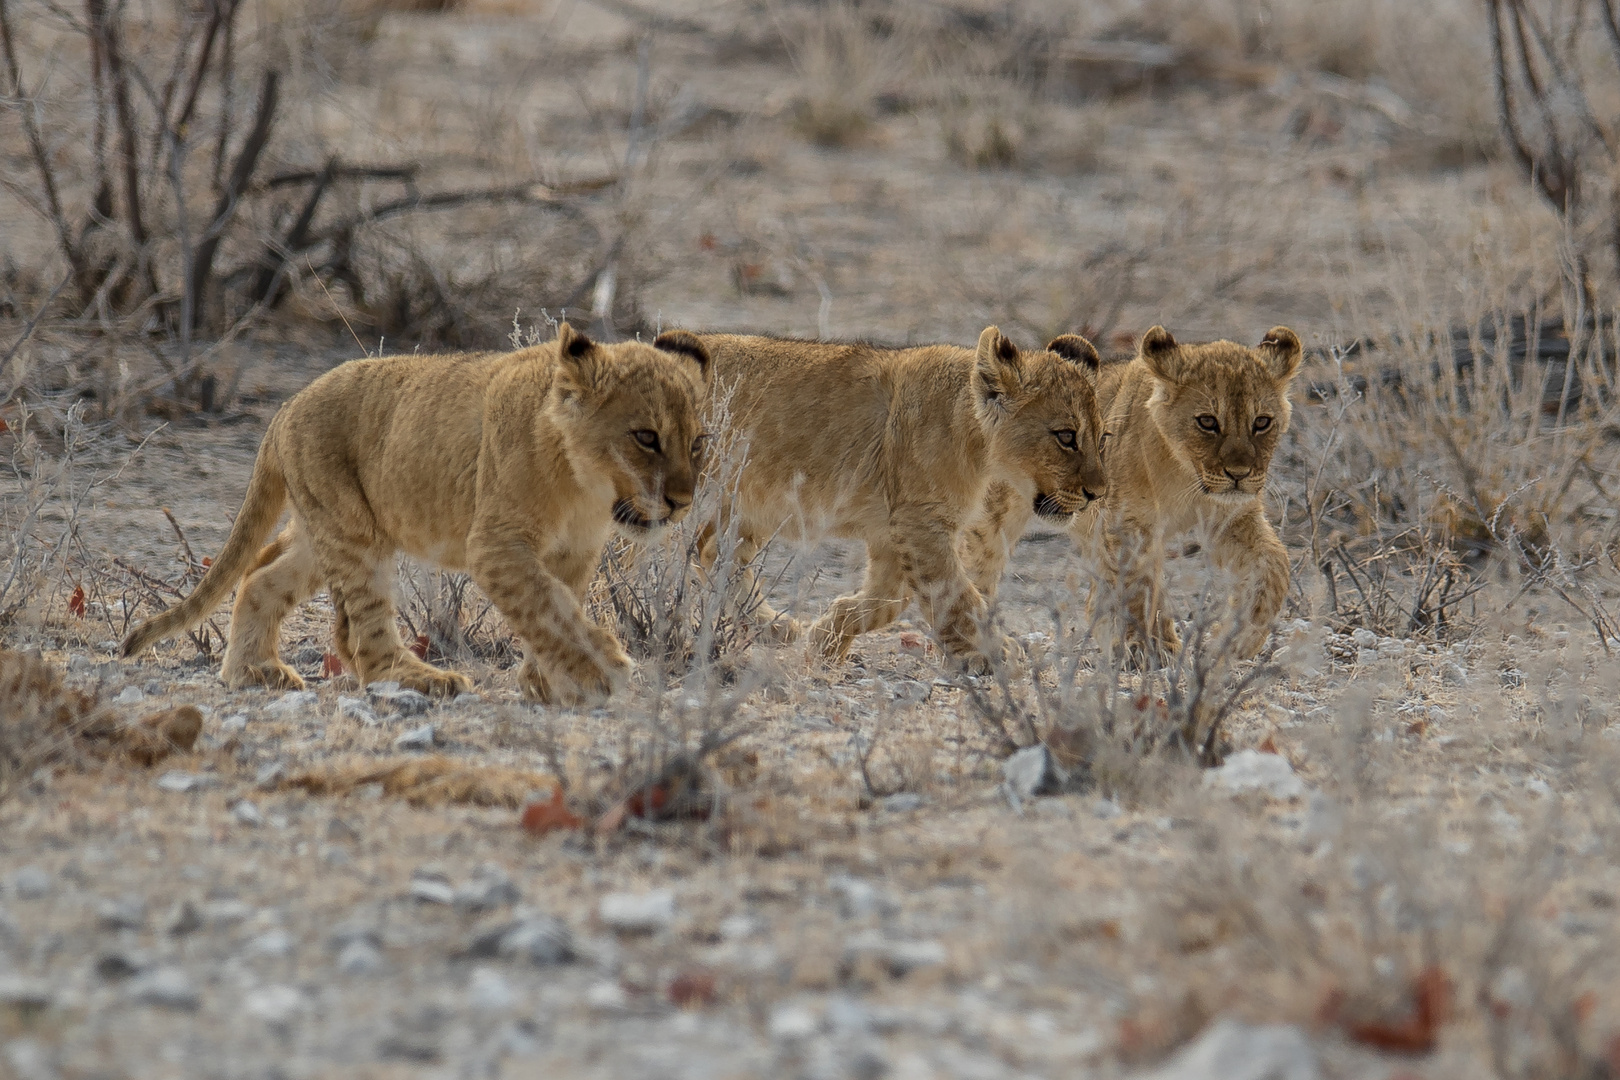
574,343
684,342
1157,339
1075,348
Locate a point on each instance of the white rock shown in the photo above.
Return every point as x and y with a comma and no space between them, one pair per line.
1031,772
461,701
430,891
1392,647
1250,770
217,913
1537,786
24,993
1107,809
127,913
638,913
792,1023
177,781
606,996
1230,1050
360,957
30,883
246,813
858,899
276,1005
1364,638
232,724
902,802
489,887
291,704
271,943
167,987
1366,656
900,957
130,695
488,991
420,738
355,708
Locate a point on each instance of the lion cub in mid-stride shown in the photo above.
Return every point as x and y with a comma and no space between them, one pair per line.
514,466
895,447
1189,431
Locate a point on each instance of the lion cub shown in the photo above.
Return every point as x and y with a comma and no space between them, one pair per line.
895,447
514,466
1189,431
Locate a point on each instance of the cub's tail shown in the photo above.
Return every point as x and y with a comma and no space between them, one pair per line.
266,495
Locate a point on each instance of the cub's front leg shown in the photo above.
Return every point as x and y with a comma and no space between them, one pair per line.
986,544
926,550
1127,605
570,661
1250,547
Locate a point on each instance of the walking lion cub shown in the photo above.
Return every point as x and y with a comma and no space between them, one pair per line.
895,447
514,466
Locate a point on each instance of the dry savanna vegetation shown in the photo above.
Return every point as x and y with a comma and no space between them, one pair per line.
1385,848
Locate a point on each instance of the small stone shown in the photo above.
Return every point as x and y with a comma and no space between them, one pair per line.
180,782
1106,809
420,738
1437,715
858,899
246,813
606,997
389,696
115,966
30,1059
166,988
360,709
153,688
898,957
19,992
792,1023
461,701
1453,675
30,883
488,991
184,919
79,664
217,913
638,913
1250,770
130,695
233,724
127,913
1392,647
538,939
270,775
1364,638
360,957
488,888
1366,656
291,703
1233,1050
276,1005
1537,786
271,944
1032,771
902,802
429,891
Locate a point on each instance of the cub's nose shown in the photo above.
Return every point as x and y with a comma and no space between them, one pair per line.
1235,475
1090,495
677,503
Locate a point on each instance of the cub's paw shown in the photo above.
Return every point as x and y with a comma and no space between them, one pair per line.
781,630
827,641
270,674
432,681
575,686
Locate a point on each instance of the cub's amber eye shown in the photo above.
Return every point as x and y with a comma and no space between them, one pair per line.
700,445
1208,423
1261,423
1066,439
647,439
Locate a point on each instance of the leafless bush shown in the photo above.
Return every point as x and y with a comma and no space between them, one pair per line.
1106,720
447,618
845,56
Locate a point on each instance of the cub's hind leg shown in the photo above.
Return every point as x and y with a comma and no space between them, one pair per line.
361,581
285,574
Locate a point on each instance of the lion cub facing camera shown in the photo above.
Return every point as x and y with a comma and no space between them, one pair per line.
515,466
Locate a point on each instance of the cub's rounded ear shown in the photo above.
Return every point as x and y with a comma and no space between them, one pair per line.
1282,352
686,344
571,344
1074,348
1160,351
996,368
